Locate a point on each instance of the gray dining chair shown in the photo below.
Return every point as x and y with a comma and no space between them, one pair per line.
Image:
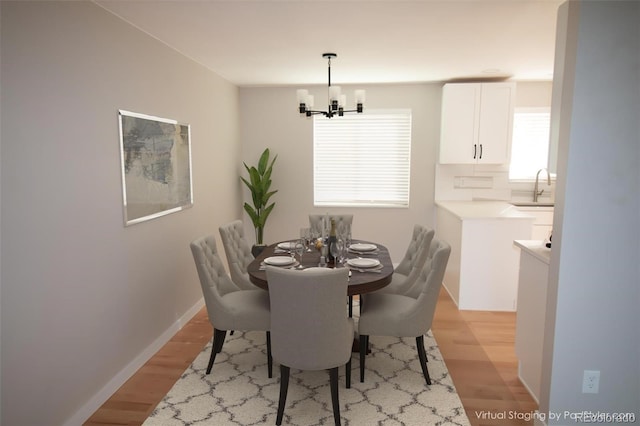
405,316
315,221
310,329
408,270
228,307
238,253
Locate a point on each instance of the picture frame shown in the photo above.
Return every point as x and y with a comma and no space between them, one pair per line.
155,156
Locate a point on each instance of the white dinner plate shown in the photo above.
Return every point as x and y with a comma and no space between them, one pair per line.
364,247
287,245
363,263
279,260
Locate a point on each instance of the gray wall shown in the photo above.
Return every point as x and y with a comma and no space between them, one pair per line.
83,297
594,279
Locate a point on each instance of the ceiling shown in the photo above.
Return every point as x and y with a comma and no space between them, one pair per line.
280,42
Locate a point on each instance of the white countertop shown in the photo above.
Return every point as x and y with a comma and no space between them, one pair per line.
535,248
483,210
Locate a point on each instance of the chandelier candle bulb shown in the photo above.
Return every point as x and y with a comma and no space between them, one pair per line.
334,93
302,95
334,97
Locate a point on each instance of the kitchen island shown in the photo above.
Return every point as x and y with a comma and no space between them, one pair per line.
482,273
530,319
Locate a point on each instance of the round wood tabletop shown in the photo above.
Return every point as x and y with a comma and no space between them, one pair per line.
359,282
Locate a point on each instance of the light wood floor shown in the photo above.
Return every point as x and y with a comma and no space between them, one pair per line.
478,349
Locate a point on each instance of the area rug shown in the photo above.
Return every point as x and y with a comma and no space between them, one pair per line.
238,391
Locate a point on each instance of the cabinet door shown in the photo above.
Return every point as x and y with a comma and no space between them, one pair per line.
496,118
459,125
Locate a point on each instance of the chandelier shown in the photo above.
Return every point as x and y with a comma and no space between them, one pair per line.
337,100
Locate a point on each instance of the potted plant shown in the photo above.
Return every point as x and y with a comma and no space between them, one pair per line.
259,183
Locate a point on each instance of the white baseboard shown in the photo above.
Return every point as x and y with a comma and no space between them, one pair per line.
455,302
114,384
526,385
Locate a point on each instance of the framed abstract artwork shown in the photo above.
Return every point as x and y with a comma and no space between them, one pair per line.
156,166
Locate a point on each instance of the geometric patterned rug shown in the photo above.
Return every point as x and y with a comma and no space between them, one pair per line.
238,391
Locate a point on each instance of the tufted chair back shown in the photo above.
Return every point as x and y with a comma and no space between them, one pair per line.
433,270
413,250
342,220
214,280
238,253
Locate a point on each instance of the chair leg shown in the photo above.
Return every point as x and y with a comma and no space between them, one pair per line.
269,357
284,387
218,341
364,343
422,355
348,373
333,377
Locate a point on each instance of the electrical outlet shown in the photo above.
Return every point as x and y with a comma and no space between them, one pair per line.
590,381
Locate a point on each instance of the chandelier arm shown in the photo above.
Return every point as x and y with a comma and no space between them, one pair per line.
310,112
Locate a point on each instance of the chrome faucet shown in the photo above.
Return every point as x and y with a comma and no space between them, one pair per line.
537,193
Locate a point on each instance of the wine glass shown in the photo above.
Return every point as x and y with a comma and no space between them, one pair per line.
335,252
300,251
306,234
341,247
323,257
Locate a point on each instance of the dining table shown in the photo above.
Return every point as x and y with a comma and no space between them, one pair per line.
361,280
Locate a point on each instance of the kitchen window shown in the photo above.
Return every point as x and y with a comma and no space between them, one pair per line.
363,159
530,143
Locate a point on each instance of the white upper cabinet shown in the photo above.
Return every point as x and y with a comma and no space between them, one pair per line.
477,120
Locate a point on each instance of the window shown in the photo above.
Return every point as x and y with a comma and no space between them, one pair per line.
530,145
363,159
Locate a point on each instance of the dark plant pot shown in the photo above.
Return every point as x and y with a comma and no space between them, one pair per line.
257,249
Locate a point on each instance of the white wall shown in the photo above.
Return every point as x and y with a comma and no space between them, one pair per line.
594,279
83,296
270,119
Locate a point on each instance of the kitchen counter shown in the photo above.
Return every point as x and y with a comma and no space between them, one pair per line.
482,272
483,210
535,248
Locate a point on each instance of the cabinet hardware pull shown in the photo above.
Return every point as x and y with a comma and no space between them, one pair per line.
475,149
481,151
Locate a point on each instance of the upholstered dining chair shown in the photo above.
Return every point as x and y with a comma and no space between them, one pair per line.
315,221
228,307
416,288
405,316
408,270
238,253
310,329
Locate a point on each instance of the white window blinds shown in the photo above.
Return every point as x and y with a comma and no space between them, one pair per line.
363,159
